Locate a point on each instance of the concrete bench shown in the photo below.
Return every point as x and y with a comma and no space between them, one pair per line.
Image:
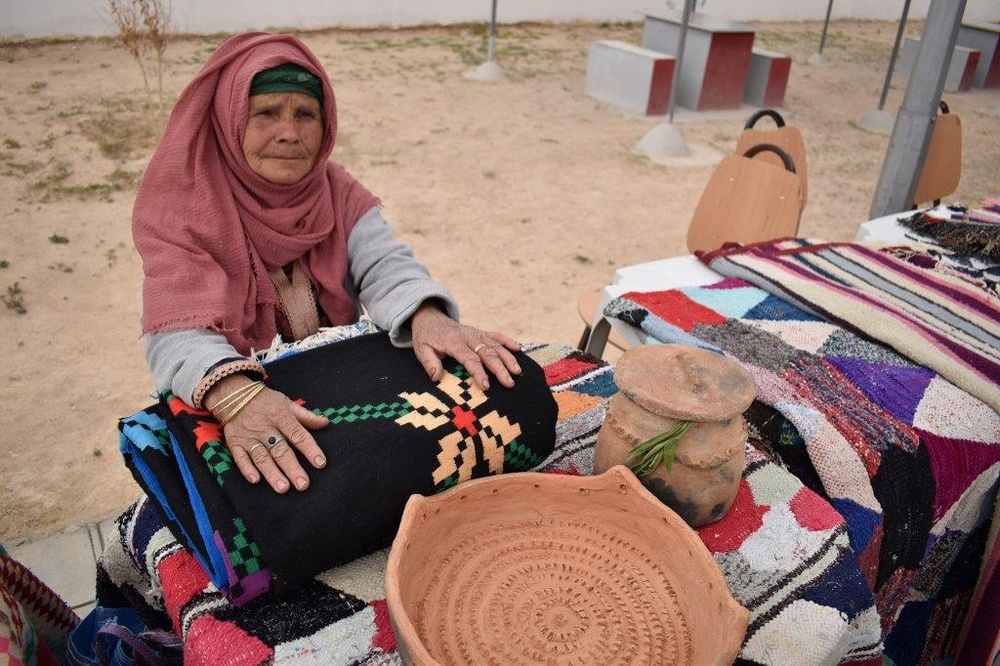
629,77
985,38
767,78
716,58
961,70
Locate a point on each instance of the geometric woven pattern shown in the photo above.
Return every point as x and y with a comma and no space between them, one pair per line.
828,572
808,579
908,460
393,432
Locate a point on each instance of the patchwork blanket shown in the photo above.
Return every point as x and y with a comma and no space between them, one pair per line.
784,550
942,321
909,460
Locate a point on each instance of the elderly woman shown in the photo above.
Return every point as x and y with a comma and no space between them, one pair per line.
247,231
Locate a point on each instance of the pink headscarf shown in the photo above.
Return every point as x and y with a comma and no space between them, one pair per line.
209,228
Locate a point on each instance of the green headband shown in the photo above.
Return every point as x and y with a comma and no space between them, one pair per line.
287,78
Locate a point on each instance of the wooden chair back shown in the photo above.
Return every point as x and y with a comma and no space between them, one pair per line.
782,135
943,164
747,200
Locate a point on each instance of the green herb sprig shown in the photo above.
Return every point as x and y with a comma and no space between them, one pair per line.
659,449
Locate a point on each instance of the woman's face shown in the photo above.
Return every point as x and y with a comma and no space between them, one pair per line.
283,136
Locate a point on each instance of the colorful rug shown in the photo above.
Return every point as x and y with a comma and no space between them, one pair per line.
910,461
393,432
940,321
784,550
969,231
35,622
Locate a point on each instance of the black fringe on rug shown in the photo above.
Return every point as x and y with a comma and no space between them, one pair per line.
963,236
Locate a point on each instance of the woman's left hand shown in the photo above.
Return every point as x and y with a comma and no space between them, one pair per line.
435,336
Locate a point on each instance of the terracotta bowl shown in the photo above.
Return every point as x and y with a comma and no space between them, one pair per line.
542,568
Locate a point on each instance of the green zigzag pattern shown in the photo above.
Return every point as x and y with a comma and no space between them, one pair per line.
382,410
247,554
218,458
520,457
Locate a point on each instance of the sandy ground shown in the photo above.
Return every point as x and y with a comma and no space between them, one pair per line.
518,196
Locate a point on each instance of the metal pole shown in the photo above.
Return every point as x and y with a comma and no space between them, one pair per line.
895,50
491,50
904,158
685,19
826,23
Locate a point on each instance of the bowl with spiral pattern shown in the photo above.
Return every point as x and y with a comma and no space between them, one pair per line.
531,568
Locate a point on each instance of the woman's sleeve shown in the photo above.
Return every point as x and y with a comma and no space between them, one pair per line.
188,362
388,281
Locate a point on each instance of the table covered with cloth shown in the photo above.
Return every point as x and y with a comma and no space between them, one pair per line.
877,375
784,549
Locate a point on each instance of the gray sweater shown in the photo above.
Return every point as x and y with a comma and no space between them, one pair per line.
383,277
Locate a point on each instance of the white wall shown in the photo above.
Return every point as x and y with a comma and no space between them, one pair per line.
49,18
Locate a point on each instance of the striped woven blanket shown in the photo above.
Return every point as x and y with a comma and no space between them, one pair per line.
938,319
785,553
910,461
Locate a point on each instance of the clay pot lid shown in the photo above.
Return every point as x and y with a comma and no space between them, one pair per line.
684,382
548,568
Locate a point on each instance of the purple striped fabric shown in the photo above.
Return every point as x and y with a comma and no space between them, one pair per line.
935,318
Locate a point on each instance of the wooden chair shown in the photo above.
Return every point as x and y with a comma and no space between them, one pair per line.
943,164
747,200
751,197
782,135
586,305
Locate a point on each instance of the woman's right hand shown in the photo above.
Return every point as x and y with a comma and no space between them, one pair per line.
261,436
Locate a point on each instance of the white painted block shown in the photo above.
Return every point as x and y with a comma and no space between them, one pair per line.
630,77
960,71
767,78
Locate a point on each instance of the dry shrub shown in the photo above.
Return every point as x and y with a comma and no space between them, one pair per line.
144,26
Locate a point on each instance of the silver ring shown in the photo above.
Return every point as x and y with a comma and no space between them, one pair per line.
254,448
475,350
273,441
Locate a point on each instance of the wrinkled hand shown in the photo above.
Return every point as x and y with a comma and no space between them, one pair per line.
270,414
435,336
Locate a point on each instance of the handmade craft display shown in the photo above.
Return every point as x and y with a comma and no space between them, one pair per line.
35,623
677,422
908,459
940,320
967,230
393,432
543,568
782,548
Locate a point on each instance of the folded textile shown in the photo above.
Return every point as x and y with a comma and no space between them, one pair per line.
974,231
784,552
35,623
911,462
393,432
935,319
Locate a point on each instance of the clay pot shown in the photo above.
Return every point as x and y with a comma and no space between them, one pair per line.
661,385
543,568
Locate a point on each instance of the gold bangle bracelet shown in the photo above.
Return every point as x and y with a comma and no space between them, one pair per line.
236,396
243,403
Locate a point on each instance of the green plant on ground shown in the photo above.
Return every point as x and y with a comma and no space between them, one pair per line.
58,240
14,299
21,168
121,133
